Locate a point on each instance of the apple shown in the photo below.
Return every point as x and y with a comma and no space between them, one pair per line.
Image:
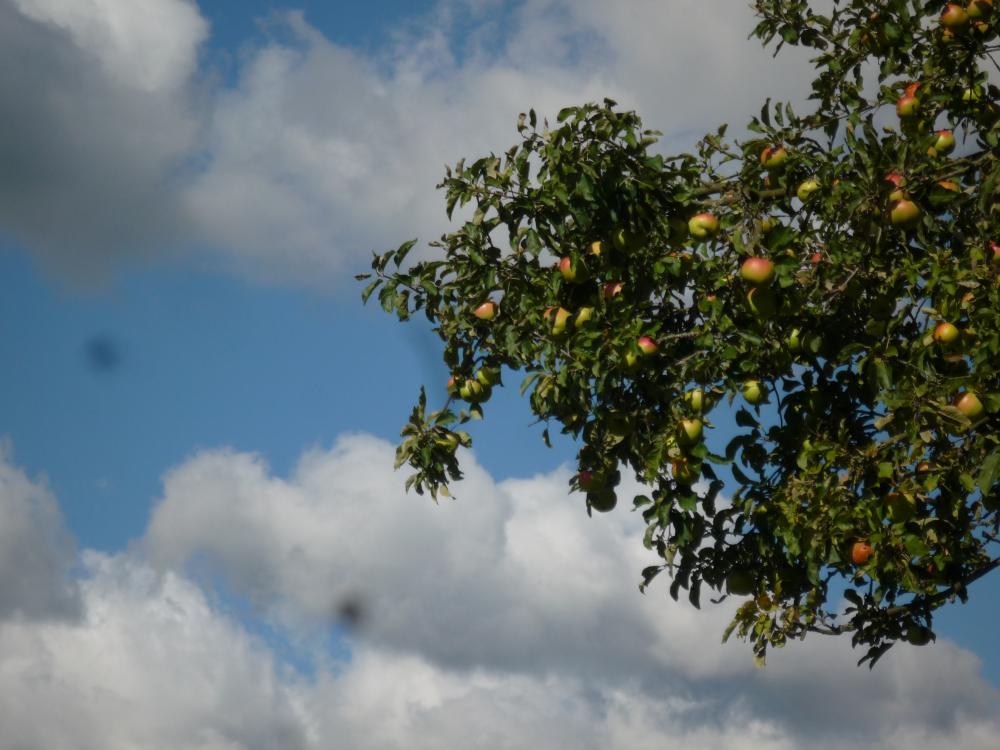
954,18
683,473
816,258
897,181
603,501
773,158
861,553
486,311
757,271
452,386
690,432
473,391
995,254
807,188
945,333
740,582
907,105
978,9
768,223
945,142
794,340
561,321
695,399
703,226
924,467
905,214
918,635
583,316
753,393
969,404
612,289
588,480
762,302
571,270
488,376
646,345
631,361
449,442
596,248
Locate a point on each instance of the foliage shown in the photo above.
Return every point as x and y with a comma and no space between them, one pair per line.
859,436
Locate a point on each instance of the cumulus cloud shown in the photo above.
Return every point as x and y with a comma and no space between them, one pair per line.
119,146
36,550
513,579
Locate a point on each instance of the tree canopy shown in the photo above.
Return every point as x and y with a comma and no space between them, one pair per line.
830,282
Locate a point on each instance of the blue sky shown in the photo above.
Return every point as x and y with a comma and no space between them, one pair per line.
200,414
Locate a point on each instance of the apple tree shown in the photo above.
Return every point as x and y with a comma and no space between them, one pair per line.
829,285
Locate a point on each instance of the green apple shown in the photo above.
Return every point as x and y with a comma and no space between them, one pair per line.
703,226
973,94
978,9
473,391
954,18
969,404
794,341
690,431
807,188
603,501
583,316
757,271
695,399
905,214
753,392
488,376
449,441
918,635
486,311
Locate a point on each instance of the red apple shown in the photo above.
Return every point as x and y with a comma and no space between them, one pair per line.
486,311
703,226
907,105
646,345
757,271
861,553
897,181
612,289
816,258
945,333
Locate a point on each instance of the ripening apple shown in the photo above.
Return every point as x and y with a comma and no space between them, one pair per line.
596,248
646,345
690,431
816,258
753,393
773,158
995,254
807,188
560,321
969,404
683,472
944,144
907,105
794,341
978,9
762,302
703,226
571,270
740,582
905,214
924,467
945,332
612,289
757,271
861,552
954,18
897,181
486,311
583,316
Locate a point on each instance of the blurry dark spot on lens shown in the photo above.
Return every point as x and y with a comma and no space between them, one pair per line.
351,613
103,353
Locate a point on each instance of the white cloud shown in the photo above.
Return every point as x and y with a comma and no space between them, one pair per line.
36,551
155,662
